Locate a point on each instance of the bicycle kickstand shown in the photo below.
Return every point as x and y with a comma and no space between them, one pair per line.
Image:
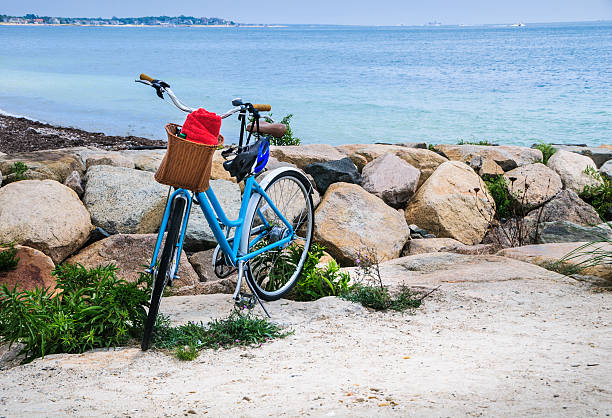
239,296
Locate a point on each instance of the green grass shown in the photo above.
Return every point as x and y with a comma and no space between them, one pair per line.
593,253
562,267
92,308
8,259
240,328
481,142
379,298
547,151
600,195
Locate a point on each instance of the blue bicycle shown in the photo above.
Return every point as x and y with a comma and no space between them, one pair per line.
269,242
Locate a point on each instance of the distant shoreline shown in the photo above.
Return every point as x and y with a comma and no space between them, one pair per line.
142,26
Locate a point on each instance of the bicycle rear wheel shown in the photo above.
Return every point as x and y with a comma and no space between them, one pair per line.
167,268
273,273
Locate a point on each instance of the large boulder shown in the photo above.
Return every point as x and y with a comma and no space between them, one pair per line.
391,178
571,168
432,270
218,172
564,231
434,245
328,172
424,160
533,185
209,282
606,170
48,164
573,253
45,215
350,220
124,200
201,262
302,155
131,253
146,160
199,236
33,270
508,157
566,206
114,158
453,203
599,155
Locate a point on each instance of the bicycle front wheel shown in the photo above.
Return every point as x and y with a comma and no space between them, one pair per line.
274,272
168,264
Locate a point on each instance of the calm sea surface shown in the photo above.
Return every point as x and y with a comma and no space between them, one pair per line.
510,85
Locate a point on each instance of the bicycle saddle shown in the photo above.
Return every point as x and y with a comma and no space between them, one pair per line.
277,130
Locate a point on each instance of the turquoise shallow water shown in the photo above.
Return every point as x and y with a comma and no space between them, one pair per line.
344,84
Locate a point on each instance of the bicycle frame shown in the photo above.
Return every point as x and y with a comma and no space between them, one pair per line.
215,216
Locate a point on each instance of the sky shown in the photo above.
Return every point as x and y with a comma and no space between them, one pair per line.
342,12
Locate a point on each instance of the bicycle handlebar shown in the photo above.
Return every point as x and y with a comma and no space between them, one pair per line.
163,87
145,77
262,107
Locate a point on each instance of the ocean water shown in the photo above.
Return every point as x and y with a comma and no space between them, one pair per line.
509,85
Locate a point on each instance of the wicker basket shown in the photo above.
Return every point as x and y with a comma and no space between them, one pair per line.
186,164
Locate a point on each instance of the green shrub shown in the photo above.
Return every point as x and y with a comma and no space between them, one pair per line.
547,151
504,202
8,259
599,196
91,308
240,328
316,282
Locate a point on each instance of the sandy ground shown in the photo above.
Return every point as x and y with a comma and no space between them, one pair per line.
515,347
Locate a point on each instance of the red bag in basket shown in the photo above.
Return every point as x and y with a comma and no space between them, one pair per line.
202,126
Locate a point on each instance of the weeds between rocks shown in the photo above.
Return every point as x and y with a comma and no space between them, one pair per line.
8,259
316,282
509,223
594,252
16,172
547,151
599,196
481,142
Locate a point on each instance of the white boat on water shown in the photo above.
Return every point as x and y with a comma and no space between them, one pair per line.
517,25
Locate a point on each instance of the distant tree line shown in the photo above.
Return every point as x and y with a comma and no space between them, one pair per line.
147,20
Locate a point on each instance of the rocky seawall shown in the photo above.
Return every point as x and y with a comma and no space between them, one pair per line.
69,195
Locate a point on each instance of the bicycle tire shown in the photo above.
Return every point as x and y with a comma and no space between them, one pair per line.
262,282
161,277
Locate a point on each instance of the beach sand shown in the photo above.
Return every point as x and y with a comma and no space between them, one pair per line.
510,348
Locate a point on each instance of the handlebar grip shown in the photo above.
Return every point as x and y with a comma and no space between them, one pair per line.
262,107
145,77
